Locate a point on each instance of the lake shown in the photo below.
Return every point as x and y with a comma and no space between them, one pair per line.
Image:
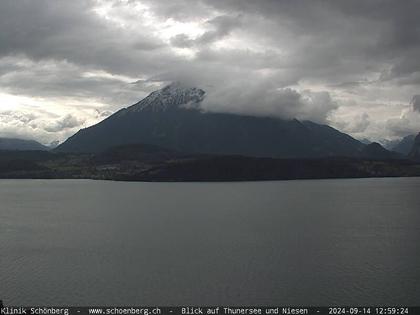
307,242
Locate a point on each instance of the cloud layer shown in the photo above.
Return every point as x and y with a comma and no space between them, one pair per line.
352,64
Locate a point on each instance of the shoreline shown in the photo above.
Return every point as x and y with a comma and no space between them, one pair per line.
204,181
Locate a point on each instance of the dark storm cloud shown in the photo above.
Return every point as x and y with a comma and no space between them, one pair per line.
55,79
329,38
344,32
69,30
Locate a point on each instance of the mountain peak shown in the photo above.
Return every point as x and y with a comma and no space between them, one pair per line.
172,96
170,118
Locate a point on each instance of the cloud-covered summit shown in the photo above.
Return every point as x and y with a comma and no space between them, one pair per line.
352,64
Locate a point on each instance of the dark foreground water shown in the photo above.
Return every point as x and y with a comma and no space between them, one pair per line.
315,242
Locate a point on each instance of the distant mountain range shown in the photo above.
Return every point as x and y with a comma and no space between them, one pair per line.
20,145
171,118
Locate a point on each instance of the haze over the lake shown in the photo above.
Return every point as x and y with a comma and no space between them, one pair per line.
65,65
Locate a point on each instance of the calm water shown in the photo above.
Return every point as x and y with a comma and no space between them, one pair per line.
294,242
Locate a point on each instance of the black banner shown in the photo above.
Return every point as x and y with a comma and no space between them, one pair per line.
209,310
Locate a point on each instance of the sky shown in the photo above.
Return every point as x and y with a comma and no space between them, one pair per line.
354,65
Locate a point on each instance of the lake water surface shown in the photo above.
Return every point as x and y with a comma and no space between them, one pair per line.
315,242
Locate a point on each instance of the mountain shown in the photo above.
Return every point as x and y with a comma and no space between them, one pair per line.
375,151
415,151
20,145
365,141
53,144
171,118
135,152
405,145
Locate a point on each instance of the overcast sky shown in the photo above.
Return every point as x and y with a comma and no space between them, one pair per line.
354,64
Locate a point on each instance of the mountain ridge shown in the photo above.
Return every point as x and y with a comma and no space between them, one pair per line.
375,150
170,97
16,144
171,117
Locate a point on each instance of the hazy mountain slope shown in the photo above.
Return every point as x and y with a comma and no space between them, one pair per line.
169,118
405,145
375,151
415,151
20,144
